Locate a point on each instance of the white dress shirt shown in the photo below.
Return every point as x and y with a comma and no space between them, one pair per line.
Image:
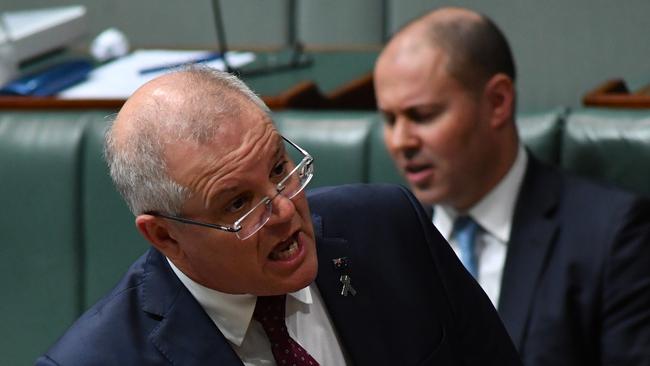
307,321
494,213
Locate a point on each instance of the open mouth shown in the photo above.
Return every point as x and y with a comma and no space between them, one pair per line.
285,250
418,173
414,169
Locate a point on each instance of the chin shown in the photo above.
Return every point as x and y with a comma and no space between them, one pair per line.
305,276
431,193
300,279
425,196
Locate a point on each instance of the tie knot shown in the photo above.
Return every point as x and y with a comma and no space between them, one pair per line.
270,309
465,230
465,224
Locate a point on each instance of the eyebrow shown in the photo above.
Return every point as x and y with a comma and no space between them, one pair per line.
216,198
229,189
279,150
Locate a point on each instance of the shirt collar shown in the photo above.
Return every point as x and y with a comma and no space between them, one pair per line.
495,210
231,313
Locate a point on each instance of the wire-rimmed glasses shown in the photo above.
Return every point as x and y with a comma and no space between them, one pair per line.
253,220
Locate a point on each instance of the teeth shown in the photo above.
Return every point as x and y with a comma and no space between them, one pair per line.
286,253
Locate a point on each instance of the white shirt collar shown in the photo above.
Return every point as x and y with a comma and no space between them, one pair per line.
231,313
495,210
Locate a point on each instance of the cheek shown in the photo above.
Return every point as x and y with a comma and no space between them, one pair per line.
211,250
304,214
200,255
388,140
439,139
302,208
449,137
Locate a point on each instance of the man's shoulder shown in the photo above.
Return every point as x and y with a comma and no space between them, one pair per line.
355,194
108,326
574,190
591,209
378,211
378,202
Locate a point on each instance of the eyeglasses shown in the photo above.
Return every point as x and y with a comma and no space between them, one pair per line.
253,220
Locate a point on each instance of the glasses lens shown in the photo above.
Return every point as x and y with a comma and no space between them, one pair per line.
299,178
289,187
255,220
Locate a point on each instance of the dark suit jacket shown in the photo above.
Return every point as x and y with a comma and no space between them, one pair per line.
576,283
415,304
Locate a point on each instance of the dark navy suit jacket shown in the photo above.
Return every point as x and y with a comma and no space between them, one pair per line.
576,282
415,304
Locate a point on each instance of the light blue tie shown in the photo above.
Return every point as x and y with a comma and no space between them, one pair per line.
465,230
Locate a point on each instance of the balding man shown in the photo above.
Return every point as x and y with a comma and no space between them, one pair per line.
240,272
566,261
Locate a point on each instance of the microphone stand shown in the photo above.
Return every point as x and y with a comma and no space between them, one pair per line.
298,58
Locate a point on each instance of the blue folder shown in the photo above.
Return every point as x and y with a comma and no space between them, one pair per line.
51,80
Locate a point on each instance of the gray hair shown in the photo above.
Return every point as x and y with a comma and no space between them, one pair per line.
137,164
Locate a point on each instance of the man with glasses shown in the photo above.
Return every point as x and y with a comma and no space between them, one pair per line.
240,272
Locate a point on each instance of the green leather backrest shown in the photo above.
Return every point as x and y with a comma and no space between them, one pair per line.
111,241
40,253
609,145
338,141
541,133
382,168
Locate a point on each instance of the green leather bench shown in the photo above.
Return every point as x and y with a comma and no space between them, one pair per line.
67,237
348,146
609,145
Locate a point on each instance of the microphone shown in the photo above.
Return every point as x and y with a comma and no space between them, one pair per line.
297,58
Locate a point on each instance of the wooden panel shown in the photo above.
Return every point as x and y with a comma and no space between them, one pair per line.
615,94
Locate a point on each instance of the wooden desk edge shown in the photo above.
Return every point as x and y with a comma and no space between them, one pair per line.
32,103
357,94
10,102
614,93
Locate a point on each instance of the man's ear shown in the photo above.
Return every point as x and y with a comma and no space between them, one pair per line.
159,232
499,94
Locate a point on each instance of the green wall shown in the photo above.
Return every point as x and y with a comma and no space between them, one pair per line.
563,48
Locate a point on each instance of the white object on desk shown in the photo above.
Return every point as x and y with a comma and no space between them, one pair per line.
109,44
120,78
34,32
8,62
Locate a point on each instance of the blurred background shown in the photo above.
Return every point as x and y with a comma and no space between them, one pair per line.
68,237
562,48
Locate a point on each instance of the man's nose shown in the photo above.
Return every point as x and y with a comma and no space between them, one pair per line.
282,209
402,136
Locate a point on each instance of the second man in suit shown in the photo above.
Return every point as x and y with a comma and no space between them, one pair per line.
566,261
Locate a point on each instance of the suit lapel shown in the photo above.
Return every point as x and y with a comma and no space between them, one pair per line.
351,315
534,229
185,335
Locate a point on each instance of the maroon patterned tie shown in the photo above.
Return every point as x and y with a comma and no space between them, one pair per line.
269,311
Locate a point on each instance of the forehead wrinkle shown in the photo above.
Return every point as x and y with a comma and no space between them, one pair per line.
227,171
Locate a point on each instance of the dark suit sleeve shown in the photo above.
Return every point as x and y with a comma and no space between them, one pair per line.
476,332
625,338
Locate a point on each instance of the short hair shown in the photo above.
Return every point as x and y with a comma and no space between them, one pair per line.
477,50
137,164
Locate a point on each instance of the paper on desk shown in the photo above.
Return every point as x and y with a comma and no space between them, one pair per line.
120,78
